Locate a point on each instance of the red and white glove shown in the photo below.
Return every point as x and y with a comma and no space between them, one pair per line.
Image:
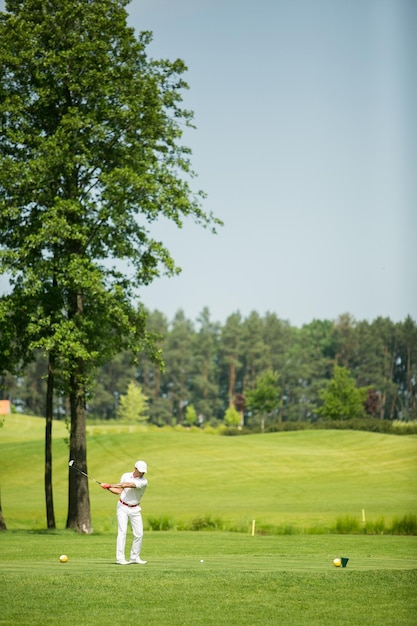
105,485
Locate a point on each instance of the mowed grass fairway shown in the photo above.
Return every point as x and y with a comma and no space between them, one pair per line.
297,482
243,580
304,480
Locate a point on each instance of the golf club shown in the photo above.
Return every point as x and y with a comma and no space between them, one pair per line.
72,464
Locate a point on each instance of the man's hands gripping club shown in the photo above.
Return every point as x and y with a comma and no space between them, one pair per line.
116,489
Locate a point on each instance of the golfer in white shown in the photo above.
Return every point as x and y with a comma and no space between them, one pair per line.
130,489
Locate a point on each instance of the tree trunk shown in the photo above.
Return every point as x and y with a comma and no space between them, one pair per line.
410,398
49,500
232,381
2,522
78,494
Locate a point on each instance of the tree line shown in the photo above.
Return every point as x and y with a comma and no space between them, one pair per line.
209,367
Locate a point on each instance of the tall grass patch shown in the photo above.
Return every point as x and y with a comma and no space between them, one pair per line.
406,525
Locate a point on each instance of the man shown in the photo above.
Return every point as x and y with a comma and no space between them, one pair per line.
130,489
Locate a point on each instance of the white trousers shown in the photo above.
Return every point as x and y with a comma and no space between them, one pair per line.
124,515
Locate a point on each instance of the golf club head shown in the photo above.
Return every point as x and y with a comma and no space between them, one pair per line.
72,464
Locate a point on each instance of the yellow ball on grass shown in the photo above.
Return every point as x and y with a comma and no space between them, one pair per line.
337,562
63,558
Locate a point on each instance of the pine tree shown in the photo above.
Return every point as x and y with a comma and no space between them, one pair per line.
133,407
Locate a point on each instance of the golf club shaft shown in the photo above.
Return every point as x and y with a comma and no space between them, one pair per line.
84,474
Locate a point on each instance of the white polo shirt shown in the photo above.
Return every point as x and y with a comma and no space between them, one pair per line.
133,495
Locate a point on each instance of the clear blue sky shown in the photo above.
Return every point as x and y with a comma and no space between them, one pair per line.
306,145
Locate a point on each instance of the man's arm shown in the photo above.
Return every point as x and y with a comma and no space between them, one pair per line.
116,489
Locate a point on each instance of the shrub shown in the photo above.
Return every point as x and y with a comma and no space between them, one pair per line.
404,428
375,528
370,424
269,529
206,522
231,432
347,524
406,525
160,523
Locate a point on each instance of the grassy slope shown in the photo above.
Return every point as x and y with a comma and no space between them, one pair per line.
306,479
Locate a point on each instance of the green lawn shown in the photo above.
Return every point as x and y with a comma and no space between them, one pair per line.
243,580
302,480
299,482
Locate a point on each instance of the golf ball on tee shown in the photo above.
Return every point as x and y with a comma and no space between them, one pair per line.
337,562
63,558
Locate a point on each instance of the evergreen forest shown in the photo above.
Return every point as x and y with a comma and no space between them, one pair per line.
209,367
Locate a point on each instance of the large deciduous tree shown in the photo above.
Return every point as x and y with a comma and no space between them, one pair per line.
90,157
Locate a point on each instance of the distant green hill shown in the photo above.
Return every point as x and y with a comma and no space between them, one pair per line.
307,481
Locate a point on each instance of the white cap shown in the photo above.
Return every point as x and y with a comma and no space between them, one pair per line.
141,466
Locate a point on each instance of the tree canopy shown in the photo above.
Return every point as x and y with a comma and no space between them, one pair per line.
342,399
133,406
264,398
90,157
385,362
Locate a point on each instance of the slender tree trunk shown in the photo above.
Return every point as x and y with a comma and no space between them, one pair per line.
78,494
281,401
393,404
383,399
388,369
2,522
409,394
232,381
157,382
49,500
